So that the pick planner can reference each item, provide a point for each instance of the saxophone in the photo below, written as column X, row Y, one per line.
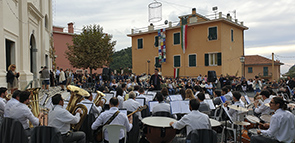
column 77, row 95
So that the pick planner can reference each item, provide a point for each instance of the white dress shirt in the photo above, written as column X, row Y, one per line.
column 62, row 119
column 12, row 102
column 281, row 127
column 2, row 106
column 94, row 109
column 121, row 101
column 194, row 120
column 264, row 110
column 121, row 119
column 22, row 113
column 146, row 99
column 161, row 107
column 131, row 105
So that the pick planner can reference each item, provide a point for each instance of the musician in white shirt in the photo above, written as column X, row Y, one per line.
column 194, row 120
column 161, row 106
column 95, row 110
column 141, row 95
column 131, row 104
column 62, row 119
column 22, row 112
column 281, row 127
column 3, row 93
column 119, row 95
column 12, row 102
column 263, row 109
column 234, row 113
column 120, row 119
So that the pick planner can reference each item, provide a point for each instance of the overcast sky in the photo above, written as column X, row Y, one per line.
column 271, row 22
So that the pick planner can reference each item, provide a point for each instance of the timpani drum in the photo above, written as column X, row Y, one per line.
column 253, row 120
column 158, row 129
column 265, row 118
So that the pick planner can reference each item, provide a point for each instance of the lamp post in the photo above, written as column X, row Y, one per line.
column 242, row 60
column 148, row 61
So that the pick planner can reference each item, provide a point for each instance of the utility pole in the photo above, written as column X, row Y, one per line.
column 272, row 66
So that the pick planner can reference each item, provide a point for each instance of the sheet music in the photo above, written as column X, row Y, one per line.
column 149, row 97
column 226, row 111
column 179, row 107
column 88, row 106
column 247, row 99
column 152, row 93
column 207, row 96
column 108, row 97
column 210, row 103
column 42, row 101
column 152, row 104
column 141, row 101
column 175, row 97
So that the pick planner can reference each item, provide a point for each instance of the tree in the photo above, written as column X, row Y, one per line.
column 122, row 59
column 91, row 49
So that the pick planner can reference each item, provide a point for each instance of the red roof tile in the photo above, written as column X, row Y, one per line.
column 259, row 60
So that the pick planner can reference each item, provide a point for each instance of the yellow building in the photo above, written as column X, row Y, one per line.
column 212, row 44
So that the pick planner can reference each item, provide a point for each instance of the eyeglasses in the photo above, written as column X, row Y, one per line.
column 271, row 102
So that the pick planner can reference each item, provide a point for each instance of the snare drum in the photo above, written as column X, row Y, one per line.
column 158, row 130
column 253, row 120
column 265, row 118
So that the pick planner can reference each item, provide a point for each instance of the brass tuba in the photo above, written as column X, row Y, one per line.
column 77, row 95
column 99, row 97
column 34, row 102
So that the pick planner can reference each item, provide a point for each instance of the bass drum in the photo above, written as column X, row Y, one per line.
column 158, row 130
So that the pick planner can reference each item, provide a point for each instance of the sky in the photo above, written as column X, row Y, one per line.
column 271, row 22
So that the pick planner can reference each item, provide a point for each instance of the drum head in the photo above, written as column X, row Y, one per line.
column 252, row 119
column 158, row 121
column 265, row 118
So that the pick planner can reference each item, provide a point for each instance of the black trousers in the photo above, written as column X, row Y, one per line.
column 262, row 139
column 120, row 141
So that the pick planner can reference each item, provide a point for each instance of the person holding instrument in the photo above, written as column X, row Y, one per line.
column 281, row 127
column 119, row 119
column 62, row 119
column 263, row 109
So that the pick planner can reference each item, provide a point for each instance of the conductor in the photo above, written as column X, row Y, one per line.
column 155, row 81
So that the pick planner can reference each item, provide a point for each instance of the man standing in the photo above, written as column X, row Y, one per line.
column 120, row 119
column 62, row 119
column 189, row 121
column 62, row 79
column 257, row 85
column 45, row 76
column 57, row 75
column 155, row 81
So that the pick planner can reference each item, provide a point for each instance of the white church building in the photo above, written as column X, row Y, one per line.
column 25, row 33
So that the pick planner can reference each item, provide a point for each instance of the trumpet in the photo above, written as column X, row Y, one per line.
column 99, row 97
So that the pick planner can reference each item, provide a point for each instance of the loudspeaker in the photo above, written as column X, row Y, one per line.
column 211, row 76
column 105, row 74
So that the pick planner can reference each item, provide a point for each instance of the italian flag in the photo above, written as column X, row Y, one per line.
column 183, row 37
column 176, row 72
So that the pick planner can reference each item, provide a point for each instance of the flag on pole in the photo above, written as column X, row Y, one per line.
column 183, row 37
column 176, row 72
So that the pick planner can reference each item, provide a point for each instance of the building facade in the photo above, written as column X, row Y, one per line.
column 25, row 33
column 256, row 65
column 212, row 44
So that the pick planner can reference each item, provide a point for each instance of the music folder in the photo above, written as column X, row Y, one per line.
column 175, row 97
column 247, row 99
column 152, row 104
column 108, row 96
column 140, row 100
column 181, row 107
column 223, row 99
column 210, row 103
column 88, row 106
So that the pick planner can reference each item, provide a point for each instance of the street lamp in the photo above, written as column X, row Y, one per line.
column 242, row 60
column 148, row 61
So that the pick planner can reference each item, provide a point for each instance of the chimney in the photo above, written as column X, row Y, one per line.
column 194, row 12
column 71, row 27
column 151, row 27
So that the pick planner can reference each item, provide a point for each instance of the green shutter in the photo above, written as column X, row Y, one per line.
column 232, row 35
column 139, row 44
column 206, row 59
column 176, row 61
column 212, row 33
column 176, row 38
column 192, row 60
column 219, row 59
column 265, row 71
column 156, row 41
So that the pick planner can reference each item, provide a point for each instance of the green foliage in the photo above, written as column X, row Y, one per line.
column 91, row 49
column 122, row 59
column 291, row 72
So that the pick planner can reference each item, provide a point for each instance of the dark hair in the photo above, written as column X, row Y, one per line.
column 123, row 85
column 201, row 96
column 3, row 90
column 225, row 89
column 114, row 101
column 218, row 92
column 90, row 94
column 195, row 104
column 141, row 90
column 16, row 93
column 156, row 69
column 237, row 95
column 265, row 93
column 136, row 87
column 23, row 96
column 119, row 92
column 228, row 87
column 197, row 88
column 56, row 98
column 279, row 100
column 182, row 93
column 165, row 91
column 159, row 97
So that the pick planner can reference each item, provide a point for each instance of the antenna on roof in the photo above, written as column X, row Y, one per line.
column 215, row 8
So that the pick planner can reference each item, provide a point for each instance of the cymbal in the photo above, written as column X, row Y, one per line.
column 242, row 123
column 238, row 108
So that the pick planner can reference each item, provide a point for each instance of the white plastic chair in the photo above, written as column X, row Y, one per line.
column 114, row 132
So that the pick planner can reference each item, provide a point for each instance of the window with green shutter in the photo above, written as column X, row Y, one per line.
column 265, row 71
column 139, row 43
column 176, row 61
column 212, row 33
column 213, row 59
column 192, row 60
column 219, row 59
column 206, row 59
column 232, row 35
column 176, row 37
column 156, row 41
column 250, row 70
